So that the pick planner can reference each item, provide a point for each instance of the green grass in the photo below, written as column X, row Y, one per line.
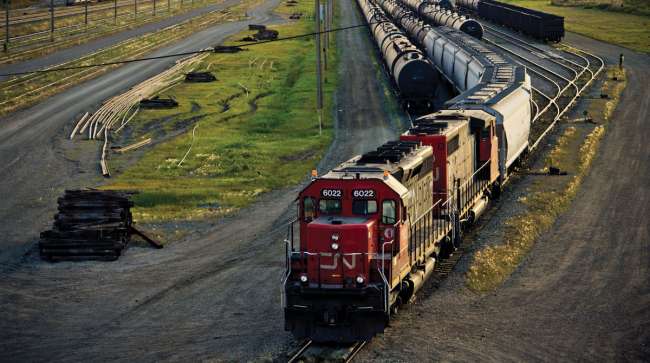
column 255, row 130
column 636, row 7
column 624, row 29
column 546, row 197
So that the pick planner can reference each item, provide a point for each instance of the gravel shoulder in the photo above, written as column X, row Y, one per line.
column 215, row 297
column 582, row 294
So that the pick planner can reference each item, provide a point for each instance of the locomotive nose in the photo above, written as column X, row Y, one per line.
column 339, row 249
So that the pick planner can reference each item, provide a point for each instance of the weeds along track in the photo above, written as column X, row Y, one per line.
column 559, row 77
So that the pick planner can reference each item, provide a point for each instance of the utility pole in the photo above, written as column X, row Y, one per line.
column 115, row 12
column 154, row 7
column 52, row 20
column 319, row 85
column 86, row 15
column 324, row 7
column 6, row 45
column 135, row 9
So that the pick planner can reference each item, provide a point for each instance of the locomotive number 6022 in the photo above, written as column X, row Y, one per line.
column 363, row 193
column 331, row 193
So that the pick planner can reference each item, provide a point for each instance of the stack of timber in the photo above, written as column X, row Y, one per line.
column 90, row 225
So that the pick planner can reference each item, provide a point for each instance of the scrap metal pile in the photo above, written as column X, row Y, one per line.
column 90, row 225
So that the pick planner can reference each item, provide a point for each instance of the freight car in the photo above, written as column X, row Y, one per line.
column 372, row 229
column 439, row 14
column 412, row 73
column 537, row 24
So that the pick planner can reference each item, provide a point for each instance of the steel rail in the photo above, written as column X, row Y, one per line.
column 521, row 43
column 552, row 58
column 541, row 50
column 357, row 348
column 298, row 354
column 561, row 90
column 578, row 90
column 353, row 351
column 69, row 12
column 61, row 30
column 554, row 98
column 550, row 127
column 81, row 28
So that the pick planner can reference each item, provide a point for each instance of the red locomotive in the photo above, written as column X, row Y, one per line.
column 372, row 229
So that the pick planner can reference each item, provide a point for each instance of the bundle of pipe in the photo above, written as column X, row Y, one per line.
column 119, row 110
column 438, row 15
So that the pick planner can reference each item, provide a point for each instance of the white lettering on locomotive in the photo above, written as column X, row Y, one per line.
column 353, row 264
column 331, row 193
column 334, row 261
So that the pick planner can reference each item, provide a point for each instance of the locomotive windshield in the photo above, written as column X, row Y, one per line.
column 389, row 215
column 329, row 206
column 364, row 207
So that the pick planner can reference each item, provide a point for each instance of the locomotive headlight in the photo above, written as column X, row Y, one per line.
column 335, row 241
column 303, row 278
column 360, row 280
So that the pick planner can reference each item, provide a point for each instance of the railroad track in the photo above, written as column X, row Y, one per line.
column 79, row 10
column 22, row 35
column 556, row 92
column 308, row 350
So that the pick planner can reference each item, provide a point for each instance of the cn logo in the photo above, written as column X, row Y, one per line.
column 389, row 234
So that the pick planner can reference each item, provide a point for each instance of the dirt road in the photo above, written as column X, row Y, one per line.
column 217, row 297
column 583, row 293
column 37, row 161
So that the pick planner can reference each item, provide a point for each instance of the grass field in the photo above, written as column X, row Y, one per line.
column 547, row 197
column 252, row 131
column 629, row 30
column 636, row 7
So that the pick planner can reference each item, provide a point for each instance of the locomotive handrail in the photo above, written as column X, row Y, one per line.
column 288, row 249
column 383, row 276
column 475, row 173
